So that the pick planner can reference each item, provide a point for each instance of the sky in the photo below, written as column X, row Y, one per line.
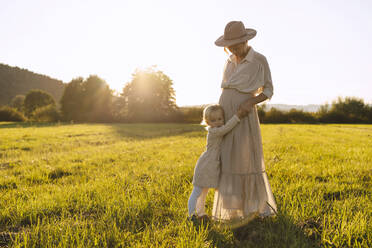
column 317, row 50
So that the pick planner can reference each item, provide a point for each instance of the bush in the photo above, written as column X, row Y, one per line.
column 192, row 114
column 37, row 99
column 299, row 116
column 174, row 116
column 275, row 116
column 46, row 114
column 261, row 111
column 345, row 110
column 369, row 114
column 11, row 114
column 293, row 116
column 17, row 102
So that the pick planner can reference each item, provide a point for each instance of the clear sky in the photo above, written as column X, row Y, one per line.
column 317, row 50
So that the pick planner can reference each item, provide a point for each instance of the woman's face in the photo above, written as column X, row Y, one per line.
column 239, row 49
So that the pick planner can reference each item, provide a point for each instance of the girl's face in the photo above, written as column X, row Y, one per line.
column 216, row 119
column 239, row 49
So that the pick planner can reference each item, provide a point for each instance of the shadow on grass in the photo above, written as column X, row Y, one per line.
column 142, row 131
column 279, row 231
column 5, row 239
column 32, row 124
column 126, row 130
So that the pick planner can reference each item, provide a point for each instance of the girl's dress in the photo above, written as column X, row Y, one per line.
column 207, row 169
column 243, row 187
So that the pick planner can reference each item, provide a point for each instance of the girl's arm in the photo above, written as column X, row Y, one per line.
column 221, row 131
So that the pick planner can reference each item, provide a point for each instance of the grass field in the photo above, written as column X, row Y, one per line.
column 126, row 185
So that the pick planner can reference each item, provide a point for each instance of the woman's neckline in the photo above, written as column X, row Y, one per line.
column 245, row 55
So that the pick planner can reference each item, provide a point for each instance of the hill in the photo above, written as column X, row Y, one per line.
column 282, row 107
column 287, row 107
column 16, row 81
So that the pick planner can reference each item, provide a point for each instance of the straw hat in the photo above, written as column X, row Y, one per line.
column 235, row 33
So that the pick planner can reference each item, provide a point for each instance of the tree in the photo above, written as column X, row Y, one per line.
column 149, row 96
column 17, row 102
column 71, row 101
column 36, row 99
column 97, row 100
column 87, row 100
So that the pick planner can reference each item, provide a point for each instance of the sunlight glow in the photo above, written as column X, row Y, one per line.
column 68, row 39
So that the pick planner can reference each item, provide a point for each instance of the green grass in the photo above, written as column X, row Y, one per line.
column 127, row 185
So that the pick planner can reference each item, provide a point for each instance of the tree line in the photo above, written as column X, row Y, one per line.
column 341, row 110
column 150, row 97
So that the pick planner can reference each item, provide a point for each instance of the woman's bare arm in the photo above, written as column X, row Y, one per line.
column 247, row 105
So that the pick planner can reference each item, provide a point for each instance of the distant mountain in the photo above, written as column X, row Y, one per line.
column 287, row 107
column 16, row 81
column 282, row 107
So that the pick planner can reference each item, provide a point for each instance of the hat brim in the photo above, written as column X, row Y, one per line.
column 226, row 43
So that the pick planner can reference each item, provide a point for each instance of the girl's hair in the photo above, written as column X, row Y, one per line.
column 208, row 111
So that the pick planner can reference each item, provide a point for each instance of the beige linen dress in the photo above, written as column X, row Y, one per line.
column 243, row 188
column 207, row 169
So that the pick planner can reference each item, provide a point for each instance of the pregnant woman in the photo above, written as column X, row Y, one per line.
column 244, row 187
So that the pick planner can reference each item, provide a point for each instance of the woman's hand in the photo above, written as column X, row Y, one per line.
column 241, row 112
column 247, row 106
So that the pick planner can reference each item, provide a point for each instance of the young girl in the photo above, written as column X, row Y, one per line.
column 207, row 168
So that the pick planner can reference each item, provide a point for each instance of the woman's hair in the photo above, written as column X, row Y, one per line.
column 208, row 111
column 226, row 51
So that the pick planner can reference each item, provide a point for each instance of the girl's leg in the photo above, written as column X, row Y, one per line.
column 196, row 192
column 200, row 204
